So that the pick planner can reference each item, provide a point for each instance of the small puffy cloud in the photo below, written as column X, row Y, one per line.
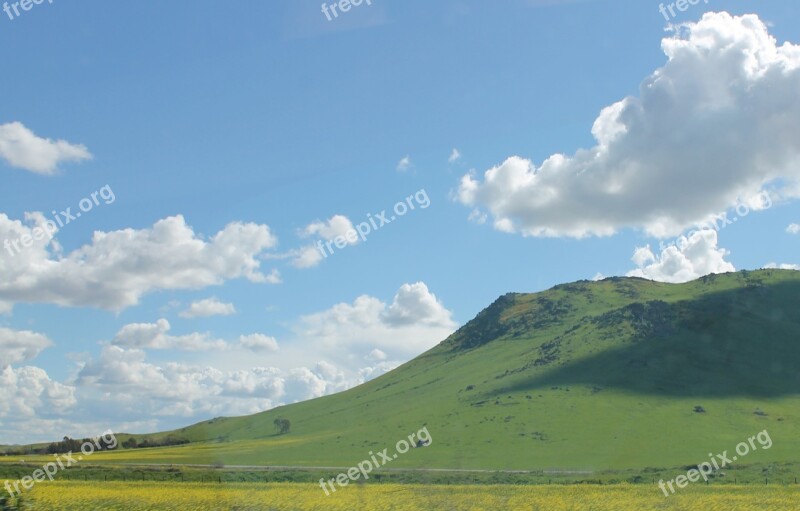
column 376, row 355
column 21, row 148
column 208, row 307
column 119, row 267
column 304, row 383
column 273, row 277
column 404, row 164
column 369, row 373
column 19, row 346
column 414, row 322
column 307, row 257
column 415, row 304
column 710, row 129
column 155, row 336
column 455, row 155
column 793, row 229
column 477, row 216
column 693, row 257
column 258, row 342
column 338, row 227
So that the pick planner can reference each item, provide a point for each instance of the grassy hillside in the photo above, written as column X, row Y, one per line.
column 622, row 373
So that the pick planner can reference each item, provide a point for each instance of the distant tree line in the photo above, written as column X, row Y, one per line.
column 74, row 445
column 132, row 443
column 64, row 446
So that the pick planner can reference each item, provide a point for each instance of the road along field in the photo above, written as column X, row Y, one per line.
column 141, row 496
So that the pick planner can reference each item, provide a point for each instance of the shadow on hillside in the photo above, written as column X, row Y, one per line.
column 744, row 342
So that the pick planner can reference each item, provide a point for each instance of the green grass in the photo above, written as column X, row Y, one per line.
column 591, row 376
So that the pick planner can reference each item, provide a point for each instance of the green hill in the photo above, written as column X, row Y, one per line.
column 621, row 373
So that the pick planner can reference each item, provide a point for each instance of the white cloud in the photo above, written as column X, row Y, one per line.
column 414, row 304
column 155, row 336
column 414, row 322
column 372, row 372
column 338, row 227
column 404, row 164
column 303, row 383
column 31, row 238
column 334, row 227
column 693, row 257
column 21, row 148
column 307, row 257
column 122, row 386
column 19, row 346
column 208, row 307
column 376, row 355
column 793, row 229
column 258, row 342
column 124, row 382
column 119, row 267
column 708, row 130
column 478, row 217
column 454, row 156
column 273, row 277
column 28, row 392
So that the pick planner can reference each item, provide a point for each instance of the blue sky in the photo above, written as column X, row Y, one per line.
column 234, row 137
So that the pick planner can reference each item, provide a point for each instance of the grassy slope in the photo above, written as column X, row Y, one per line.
column 591, row 375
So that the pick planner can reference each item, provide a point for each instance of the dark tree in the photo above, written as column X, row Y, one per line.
column 283, row 425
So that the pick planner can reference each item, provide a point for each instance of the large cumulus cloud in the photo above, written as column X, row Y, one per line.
column 713, row 127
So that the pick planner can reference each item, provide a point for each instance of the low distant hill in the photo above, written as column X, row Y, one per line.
column 621, row 373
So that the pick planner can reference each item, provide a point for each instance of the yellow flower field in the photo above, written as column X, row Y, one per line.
column 136, row 496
